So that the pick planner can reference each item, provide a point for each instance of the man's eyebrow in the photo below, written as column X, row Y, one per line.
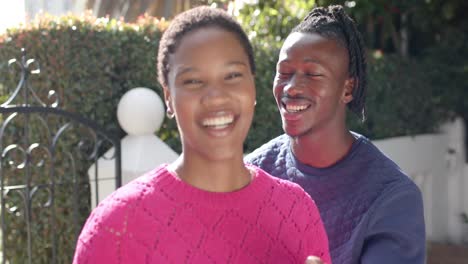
column 312, row 60
column 305, row 60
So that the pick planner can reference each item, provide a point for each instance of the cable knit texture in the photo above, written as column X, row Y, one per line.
column 373, row 212
column 160, row 219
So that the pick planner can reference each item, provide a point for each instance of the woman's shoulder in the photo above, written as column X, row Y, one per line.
column 128, row 198
column 113, row 219
column 286, row 190
column 278, row 182
column 291, row 201
column 268, row 152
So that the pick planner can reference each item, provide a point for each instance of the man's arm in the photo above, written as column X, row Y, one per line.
column 396, row 231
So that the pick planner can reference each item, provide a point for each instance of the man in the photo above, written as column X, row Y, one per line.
column 372, row 211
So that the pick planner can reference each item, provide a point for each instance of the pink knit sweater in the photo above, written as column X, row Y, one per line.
column 160, row 219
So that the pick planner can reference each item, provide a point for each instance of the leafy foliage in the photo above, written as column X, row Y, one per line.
column 267, row 121
column 399, row 99
column 267, row 20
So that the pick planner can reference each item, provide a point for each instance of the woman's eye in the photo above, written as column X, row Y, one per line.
column 233, row 75
column 191, row 82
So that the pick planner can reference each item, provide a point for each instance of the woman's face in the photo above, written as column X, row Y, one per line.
column 211, row 90
column 312, row 84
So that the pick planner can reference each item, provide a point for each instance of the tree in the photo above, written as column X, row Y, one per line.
column 131, row 9
column 269, row 20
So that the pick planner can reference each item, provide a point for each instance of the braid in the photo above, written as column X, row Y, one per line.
column 333, row 22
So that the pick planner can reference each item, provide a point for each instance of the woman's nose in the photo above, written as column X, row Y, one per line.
column 215, row 95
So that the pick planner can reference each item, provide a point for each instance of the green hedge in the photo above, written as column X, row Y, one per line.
column 400, row 99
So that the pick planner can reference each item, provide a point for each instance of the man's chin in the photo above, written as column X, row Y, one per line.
column 292, row 132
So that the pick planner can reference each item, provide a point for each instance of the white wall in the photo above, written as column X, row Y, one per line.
column 436, row 163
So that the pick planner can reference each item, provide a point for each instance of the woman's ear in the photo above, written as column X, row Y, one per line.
column 168, row 102
column 347, row 96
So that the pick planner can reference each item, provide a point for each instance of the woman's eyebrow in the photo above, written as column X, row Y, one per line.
column 242, row 63
column 181, row 70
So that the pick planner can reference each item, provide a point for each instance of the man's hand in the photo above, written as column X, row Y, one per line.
column 313, row 260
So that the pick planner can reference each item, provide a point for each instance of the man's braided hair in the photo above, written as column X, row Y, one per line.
column 333, row 22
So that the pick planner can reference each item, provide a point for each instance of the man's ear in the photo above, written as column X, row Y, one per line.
column 349, row 86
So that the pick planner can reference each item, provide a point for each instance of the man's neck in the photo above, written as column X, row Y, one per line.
column 322, row 150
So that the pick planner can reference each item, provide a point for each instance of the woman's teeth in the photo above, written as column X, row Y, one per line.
column 218, row 122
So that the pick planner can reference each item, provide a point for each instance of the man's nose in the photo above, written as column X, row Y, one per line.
column 294, row 86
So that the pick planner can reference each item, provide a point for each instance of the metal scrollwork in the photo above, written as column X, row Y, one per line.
column 28, row 67
column 44, row 156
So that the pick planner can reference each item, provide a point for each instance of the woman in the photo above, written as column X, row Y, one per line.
column 207, row 206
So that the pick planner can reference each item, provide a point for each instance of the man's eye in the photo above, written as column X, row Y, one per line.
column 312, row 74
column 284, row 74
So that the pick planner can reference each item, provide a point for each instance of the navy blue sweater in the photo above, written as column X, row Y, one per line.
column 372, row 211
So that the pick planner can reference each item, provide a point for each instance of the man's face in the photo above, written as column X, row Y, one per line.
column 312, row 86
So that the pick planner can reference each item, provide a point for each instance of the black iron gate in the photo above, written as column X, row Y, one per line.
column 44, row 186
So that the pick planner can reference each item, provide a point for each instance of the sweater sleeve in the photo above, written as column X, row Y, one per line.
column 102, row 234
column 396, row 231
column 315, row 238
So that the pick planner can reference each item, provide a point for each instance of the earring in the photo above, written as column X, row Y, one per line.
column 255, row 103
column 169, row 114
column 347, row 100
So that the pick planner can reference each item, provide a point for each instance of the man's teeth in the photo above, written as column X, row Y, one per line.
column 296, row 108
column 218, row 122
